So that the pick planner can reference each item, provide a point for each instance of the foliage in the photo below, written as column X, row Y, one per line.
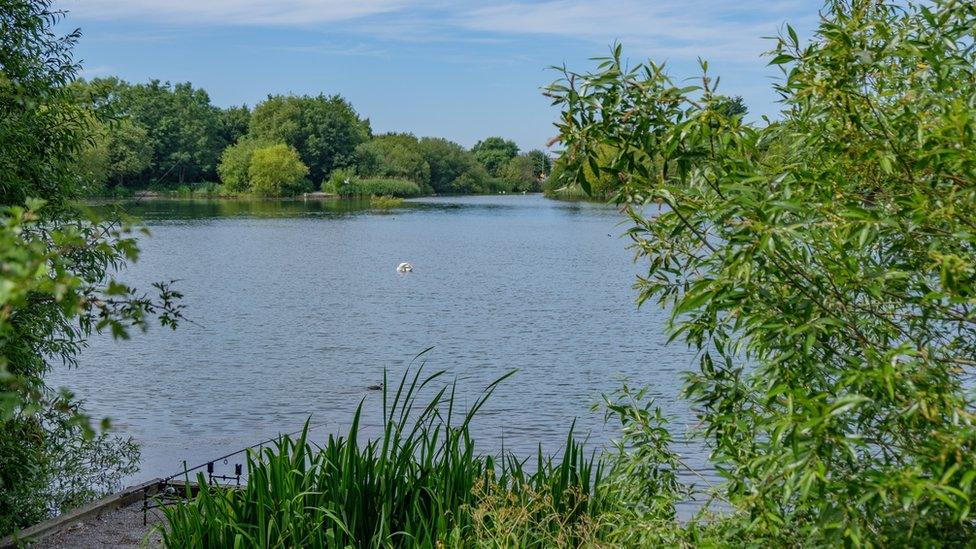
column 185, row 132
column 541, row 163
column 821, row 264
column 277, row 170
column 36, row 116
column 730, row 106
column 601, row 185
column 395, row 156
column 338, row 179
column 235, row 162
column 325, row 130
column 494, row 152
column 69, row 467
column 188, row 139
column 422, row 483
column 418, row 484
column 478, row 181
column 233, row 123
column 452, row 168
column 55, row 293
column 54, row 284
column 385, row 202
column 377, row 187
column 128, row 149
column 523, row 173
column 92, row 164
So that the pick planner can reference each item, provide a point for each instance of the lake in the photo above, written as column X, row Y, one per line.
column 296, row 308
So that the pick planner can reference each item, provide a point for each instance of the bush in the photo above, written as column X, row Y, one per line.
column 119, row 192
column 520, row 174
column 277, row 171
column 378, row 187
column 453, row 169
column 493, row 153
column 339, row 179
column 222, row 191
column 474, row 180
column 393, row 156
column 385, row 202
column 821, row 265
column 235, row 163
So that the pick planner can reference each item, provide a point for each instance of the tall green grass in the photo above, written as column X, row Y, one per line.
column 400, row 188
column 419, row 484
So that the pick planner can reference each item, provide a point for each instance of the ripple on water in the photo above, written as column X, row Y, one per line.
column 297, row 309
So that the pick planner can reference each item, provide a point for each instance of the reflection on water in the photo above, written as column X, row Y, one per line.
column 297, row 308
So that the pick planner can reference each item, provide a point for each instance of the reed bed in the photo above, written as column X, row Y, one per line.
column 421, row 483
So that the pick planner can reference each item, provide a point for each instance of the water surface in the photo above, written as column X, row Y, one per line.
column 297, row 308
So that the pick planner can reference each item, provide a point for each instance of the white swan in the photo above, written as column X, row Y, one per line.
column 404, row 267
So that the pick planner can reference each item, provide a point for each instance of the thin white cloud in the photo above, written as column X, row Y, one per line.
column 231, row 12
column 678, row 28
column 727, row 30
column 361, row 49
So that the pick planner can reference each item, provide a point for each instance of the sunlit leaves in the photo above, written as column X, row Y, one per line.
column 825, row 258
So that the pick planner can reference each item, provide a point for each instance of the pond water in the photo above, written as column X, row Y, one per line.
column 296, row 308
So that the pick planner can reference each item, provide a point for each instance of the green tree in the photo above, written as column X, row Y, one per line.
column 395, row 156
column 185, row 129
column 493, row 152
column 277, row 170
column 520, row 173
column 92, row 163
column 235, row 163
column 128, row 149
column 233, row 123
column 526, row 172
column 325, row 130
column 55, row 286
column 822, row 265
column 541, row 163
column 452, row 168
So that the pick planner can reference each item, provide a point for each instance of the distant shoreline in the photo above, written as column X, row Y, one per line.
column 153, row 195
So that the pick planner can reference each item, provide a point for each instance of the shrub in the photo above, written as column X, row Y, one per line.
column 822, row 265
column 277, row 171
column 393, row 156
column 474, row 180
column 235, row 163
column 378, row 187
column 385, row 202
column 221, row 191
column 520, row 173
column 493, row 153
column 448, row 161
column 339, row 179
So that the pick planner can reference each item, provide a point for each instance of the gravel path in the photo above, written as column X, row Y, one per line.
column 116, row 528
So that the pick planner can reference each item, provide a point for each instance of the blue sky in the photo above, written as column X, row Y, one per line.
column 458, row 69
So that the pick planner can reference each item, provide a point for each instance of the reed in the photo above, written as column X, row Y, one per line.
column 420, row 484
column 377, row 187
column 385, row 202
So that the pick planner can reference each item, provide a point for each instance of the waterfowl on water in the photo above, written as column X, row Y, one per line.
column 375, row 387
column 404, row 267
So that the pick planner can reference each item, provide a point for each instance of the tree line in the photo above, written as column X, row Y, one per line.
column 158, row 136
